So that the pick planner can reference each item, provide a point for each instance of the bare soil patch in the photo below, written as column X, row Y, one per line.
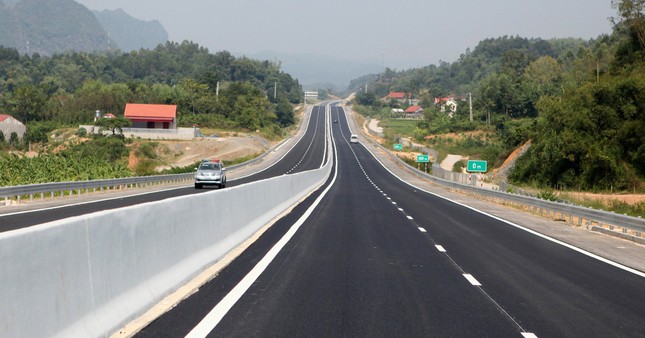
column 185, row 153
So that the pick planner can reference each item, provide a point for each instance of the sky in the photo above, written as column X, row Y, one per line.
column 396, row 34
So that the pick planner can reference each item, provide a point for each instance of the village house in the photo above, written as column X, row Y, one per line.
column 447, row 104
column 151, row 116
column 414, row 112
column 401, row 98
column 9, row 125
column 151, row 121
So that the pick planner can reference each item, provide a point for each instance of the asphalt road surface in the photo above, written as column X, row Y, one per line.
column 369, row 255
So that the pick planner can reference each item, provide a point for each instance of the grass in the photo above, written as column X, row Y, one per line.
column 615, row 205
column 399, row 127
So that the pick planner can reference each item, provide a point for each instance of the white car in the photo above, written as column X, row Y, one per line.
column 353, row 138
column 210, row 173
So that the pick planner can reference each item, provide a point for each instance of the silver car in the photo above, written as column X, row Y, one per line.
column 210, row 173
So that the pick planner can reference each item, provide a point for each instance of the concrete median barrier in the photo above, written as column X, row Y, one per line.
column 86, row 276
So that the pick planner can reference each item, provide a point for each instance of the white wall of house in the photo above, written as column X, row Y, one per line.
column 11, row 125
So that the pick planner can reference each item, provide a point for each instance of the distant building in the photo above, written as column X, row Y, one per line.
column 402, row 98
column 448, row 103
column 151, row 116
column 415, row 112
column 398, row 96
column 9, row 125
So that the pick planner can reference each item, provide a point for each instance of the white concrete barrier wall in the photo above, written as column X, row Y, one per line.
column 87, row 276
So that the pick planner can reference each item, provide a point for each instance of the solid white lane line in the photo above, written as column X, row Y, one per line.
column 472, row 280
column 213, row 318
column 440, row 248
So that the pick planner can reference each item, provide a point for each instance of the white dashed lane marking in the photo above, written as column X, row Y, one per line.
column 472, row 280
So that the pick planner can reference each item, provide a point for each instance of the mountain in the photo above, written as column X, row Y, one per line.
column 131, row 33
column 320, row 71
column 55, row 26
column 50, row 26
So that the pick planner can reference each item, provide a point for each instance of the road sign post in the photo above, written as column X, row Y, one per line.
column 423, row 159
column 476, row 166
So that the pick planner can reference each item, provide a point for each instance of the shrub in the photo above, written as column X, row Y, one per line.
column 81, row 132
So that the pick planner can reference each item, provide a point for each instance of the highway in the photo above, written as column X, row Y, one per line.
column 370, row 255
column 299, row 158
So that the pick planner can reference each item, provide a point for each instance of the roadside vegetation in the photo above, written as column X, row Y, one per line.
column 581, row 104
column 53, row 95
column 578, row 105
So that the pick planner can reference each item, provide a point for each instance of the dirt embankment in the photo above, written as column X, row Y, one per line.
column 184, row 153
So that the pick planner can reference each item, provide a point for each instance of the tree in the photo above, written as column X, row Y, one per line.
column 284, row 112
column 544, row 72
column 13, row 139
column 114, row 124
column 194, row 91
column 631, row 13
column 27, row 103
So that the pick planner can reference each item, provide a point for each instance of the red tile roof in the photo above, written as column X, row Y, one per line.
column 398, row 95
column 157, row 112
column 413, row 109
column 4, row 117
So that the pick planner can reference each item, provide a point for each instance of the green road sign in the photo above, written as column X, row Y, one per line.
column 398, row 146
column 423, row 158
column 477, row 166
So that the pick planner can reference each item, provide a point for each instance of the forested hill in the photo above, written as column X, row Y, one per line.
column 463, row 75
column 580, row 103
column 67, row 89
column 47, row 27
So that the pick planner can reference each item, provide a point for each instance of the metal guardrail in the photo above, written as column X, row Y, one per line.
column 563, row 211
column 78, row 187
column 69, row 188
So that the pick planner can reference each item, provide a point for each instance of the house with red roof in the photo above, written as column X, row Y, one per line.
column 414, row 112
column 401, row 97
column 9, row 125
column 448, row 103
column 398, row 96
column 151, row 116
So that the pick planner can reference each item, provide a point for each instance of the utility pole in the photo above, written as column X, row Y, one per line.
column 217, row 91
column 470, row 103
column 275, row 89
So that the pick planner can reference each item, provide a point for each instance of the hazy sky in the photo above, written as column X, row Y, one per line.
column 401, row 34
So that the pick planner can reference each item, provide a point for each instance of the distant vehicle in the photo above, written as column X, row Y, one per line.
column 210, row 172
column 335, row 121
column 353, row 138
